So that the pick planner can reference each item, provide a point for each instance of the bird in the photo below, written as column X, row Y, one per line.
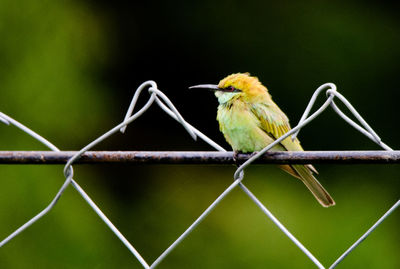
column 250, row 120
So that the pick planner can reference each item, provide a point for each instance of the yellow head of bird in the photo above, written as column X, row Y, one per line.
column 239, row 85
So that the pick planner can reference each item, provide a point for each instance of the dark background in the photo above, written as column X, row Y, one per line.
column 69, row 68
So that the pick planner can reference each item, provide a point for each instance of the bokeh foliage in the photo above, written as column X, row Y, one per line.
column 68, row 68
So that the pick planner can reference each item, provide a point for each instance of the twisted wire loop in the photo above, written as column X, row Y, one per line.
column 68, row 172
column 365, row 129
column 155, row 95
column 167, row 106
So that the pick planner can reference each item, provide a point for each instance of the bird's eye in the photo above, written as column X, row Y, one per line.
column 231, row 89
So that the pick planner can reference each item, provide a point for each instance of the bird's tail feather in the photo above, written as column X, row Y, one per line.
column 313, row 185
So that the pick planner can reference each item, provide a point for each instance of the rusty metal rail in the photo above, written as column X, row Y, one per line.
column 200, row 157
column 69, row 158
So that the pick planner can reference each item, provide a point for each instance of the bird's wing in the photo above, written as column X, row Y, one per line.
column 275, row 123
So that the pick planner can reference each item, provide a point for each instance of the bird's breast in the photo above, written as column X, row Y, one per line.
column 241, row 127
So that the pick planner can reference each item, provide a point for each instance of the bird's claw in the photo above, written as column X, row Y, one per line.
column 236, row 157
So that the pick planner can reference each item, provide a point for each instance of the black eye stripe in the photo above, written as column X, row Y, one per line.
column 231, row 89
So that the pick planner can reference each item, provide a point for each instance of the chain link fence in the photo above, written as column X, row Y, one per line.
column 159, row 98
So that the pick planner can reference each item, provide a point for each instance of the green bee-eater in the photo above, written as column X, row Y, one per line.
column 250, row 121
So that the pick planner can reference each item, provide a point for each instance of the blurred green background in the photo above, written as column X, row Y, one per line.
column 69, row 68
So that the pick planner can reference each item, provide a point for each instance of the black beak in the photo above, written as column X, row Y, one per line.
column 206, row 86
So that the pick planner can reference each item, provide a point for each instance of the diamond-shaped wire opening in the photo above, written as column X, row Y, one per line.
column 163, row 101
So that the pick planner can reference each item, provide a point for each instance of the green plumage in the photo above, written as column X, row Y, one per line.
column 250, row 121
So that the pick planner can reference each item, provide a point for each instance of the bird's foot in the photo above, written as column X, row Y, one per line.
column 252, row 154
column 236, row 157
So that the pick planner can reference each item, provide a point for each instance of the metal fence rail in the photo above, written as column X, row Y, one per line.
column 200, row 157
column 156, row 96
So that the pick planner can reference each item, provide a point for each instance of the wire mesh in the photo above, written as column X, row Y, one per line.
column 158, row 97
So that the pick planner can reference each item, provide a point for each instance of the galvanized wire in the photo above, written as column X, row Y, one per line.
column 362, row 238
column 8, row 120
column 166, row 105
